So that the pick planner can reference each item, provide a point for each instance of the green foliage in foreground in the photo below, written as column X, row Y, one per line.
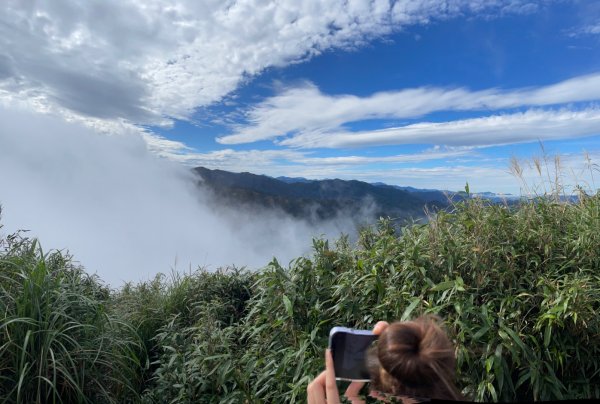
column 519, row 288
column 58, row 343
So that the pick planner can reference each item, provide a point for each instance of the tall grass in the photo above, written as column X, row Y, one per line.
column 178, row 319
column 57, row 342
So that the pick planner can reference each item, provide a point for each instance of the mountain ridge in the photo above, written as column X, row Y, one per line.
column 318, row 199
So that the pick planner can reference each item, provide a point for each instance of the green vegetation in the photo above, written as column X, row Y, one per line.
column 518, row 286
column 58, row 340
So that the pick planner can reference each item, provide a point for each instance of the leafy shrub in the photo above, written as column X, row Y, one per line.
column 188, row 324
column 518, row 287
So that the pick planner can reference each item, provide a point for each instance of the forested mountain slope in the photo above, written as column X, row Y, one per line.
column 319, row 199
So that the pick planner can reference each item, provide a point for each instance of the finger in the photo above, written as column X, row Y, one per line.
column 380, row 327
column 353, row 389
column 315, row 397
column 315, row 391
column 331, row 390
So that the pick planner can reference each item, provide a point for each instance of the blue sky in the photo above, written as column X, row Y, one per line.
column 426, row 93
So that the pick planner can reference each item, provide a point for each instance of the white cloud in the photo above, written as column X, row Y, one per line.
column 163, row 146
column 448, row 177
column 122, row 211
column 146, row 60
column 401, row 158
column 238, row 160
column 304, row 110
column 590, row 29
column 291, row 162
column 527, row 126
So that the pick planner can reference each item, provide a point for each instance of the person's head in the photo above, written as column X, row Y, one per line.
column 414, row 358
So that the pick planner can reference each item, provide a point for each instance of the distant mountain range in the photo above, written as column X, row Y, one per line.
column 434, row 194
column 319, row 199
column 316, row 200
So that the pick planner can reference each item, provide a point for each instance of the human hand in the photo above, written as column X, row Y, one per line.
column 323, row 389
column 380, row 327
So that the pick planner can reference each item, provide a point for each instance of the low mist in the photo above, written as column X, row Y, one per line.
column 126, row 214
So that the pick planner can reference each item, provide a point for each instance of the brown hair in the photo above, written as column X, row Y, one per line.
column 414, row 358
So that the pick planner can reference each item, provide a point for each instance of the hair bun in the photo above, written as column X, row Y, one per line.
column 410, row 351
column 415, row 358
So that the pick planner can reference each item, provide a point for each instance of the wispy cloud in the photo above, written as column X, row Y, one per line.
column 288, row 162
column 589, row 29
column 429, row 155
column 235, row 160
column 305, row 112
column 519, row 127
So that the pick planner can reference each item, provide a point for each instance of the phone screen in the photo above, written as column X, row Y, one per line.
column 348, row 349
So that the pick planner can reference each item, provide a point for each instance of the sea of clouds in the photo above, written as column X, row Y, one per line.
column 125, row 213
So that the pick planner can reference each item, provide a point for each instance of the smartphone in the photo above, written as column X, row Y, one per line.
column 348, row 348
